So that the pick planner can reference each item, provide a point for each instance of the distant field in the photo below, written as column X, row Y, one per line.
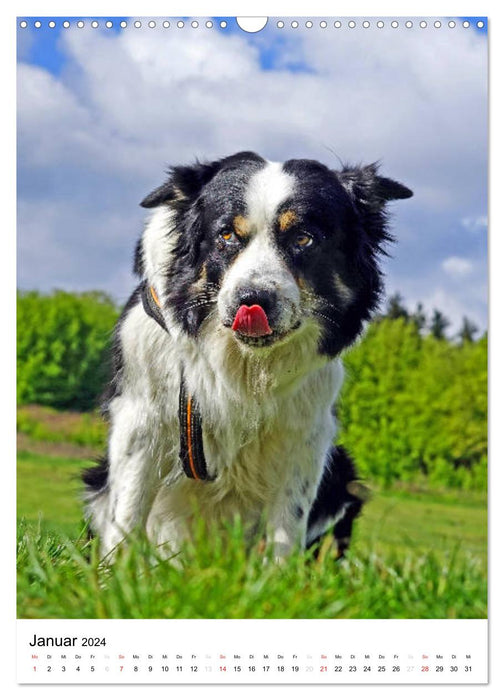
column 415, row 553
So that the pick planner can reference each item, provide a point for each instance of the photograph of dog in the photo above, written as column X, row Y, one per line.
column 253, row 276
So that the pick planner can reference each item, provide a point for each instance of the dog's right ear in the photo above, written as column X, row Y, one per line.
column 183, row 185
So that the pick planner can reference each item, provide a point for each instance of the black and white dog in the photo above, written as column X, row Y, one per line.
column 255, row 275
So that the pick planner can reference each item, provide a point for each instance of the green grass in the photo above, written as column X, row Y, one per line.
column 58, row 577
column 414, row 554
column 49, row 490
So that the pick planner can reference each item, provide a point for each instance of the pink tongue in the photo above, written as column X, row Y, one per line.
column 251, row 321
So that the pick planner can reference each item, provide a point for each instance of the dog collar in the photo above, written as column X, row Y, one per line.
column 191, row 453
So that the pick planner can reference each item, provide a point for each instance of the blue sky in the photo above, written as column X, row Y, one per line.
column 102, row 112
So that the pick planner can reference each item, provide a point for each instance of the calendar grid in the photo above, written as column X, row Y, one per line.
column 253, row 651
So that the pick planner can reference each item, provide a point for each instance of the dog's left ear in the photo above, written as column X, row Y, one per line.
column 369, row 190
column 183, row 185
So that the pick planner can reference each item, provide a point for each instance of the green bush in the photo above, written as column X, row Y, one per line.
column 62, row 340
column 414, row 405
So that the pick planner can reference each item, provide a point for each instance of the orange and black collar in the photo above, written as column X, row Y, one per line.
column 192, row 455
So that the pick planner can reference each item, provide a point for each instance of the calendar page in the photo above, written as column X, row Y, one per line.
column 252, row 350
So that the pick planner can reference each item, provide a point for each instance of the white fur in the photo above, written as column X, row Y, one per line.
column 266, row 413
column 267, row 190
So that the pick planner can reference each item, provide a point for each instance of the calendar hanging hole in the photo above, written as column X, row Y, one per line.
column 252, row 24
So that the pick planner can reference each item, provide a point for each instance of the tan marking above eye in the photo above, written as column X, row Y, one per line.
column 241, row 226
column 287, row 219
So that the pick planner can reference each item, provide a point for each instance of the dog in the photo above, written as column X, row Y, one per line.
column 254, row 276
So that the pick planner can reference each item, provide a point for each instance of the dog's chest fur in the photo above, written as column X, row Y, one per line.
column 265, row 432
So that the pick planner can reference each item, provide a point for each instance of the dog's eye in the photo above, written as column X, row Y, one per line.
column 303, row 240
column 229, row 237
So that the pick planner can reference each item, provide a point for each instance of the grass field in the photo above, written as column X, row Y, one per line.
column 415, row 554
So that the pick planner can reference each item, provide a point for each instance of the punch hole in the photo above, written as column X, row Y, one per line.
column 80, row 24
column 437, row 24
column 423, row 24
column 466, row 24
column 152, row 24
column 66, row 24
column 38, row 24
column 366, row 24
column 409, row 24
column 166, row 24
column 452, row 24
column 352, row 24
column 380, row 24
column 123, row 24
column 138, row 24
column 109, row 24
column 52, row 24
column 323, row 24
column 223, row 24
column 180, row 24
column 280, row 24
column 309, row 24
column 252, row 24
column 294, row 24
column 94, row 24
column 394, row 24
column 194, row 24
column 337, row 24
column 209, row 24
column 23, row 24
column 480, row 24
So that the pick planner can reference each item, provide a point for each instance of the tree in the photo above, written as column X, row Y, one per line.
column 396, row 308
column 418, row 317
column 468, row 331
column 438, row 325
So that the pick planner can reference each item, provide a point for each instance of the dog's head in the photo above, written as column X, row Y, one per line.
column 266, row 249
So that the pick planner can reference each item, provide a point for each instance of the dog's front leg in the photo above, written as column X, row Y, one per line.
column 133, row 476
column 287, row 522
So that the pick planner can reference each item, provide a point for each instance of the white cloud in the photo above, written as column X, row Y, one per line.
column 457, row 267
column 475, row 224
column 456, row 308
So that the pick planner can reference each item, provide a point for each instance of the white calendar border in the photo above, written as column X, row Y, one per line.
column 272, row 8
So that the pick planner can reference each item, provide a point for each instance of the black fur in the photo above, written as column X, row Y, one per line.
column 333, row 493
column 95, row 478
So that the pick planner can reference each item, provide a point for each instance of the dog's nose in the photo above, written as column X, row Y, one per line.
column 265, row 298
